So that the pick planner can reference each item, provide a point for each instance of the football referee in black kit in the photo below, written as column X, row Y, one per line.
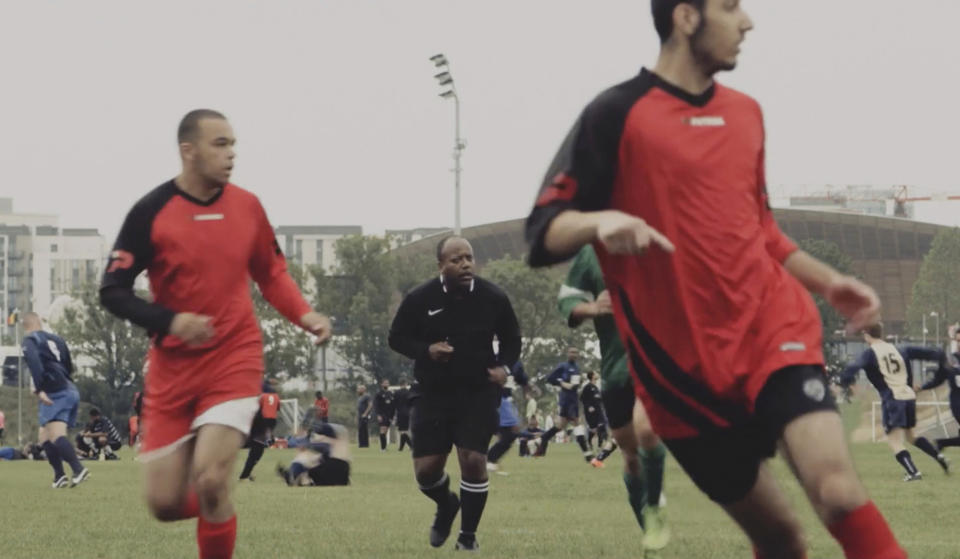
column 447, row 326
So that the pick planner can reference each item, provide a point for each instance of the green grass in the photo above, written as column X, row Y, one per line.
column 556, row 507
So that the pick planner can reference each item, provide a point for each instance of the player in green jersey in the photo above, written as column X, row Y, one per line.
column 584, row 296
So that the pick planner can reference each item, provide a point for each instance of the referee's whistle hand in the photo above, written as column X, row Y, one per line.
column 497, row 375
column 194, row 329
column 441, row 352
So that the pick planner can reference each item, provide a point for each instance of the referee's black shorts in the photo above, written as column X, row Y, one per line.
column 465, row 417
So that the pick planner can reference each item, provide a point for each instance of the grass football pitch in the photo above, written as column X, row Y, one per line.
column 555, row 507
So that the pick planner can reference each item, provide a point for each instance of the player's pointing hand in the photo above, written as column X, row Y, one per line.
column 622, row 233
column 194, row 329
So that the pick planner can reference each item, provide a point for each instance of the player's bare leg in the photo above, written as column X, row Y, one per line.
column 435, row 484
column 815, row 447
column 166, row 485
column 214, row 455
column 474, row 486
column 765, row 515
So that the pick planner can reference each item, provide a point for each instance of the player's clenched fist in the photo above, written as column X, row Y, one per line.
column 621, row 233
column 194, row 329
column 319, row 325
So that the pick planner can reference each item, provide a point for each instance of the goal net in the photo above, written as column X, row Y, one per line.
column 288, row 418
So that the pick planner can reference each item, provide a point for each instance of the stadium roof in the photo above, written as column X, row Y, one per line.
column 887, row 252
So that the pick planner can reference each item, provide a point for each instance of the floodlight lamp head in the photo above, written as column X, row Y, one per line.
column 438, row 60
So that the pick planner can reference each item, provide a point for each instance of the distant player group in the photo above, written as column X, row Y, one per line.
column 710, row 342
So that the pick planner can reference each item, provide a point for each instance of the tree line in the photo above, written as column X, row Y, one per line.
column 363, row 292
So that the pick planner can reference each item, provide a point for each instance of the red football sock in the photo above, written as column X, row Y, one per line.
column 864, row 534
column 191, row 505
column 216, row 540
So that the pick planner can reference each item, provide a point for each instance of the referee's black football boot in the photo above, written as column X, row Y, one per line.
column 443, row 520
column 467, row 543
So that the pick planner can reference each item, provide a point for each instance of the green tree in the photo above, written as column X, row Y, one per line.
column 936, row 289
column 112, row 349
column 546, row 335
column 829, row 253
column 361, row 297
column 288, row 351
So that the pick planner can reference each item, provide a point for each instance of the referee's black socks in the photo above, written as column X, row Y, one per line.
column 473, row 498
column 438, row 491
column 383, row 441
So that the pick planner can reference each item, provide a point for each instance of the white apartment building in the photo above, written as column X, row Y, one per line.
column 313, row 245
column 39, row 261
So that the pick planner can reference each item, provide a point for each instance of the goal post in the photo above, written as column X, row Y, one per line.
column 288, row 418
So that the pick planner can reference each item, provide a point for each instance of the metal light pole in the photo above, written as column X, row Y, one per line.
column 445, row 79
column 16, row 334
column 936, row 315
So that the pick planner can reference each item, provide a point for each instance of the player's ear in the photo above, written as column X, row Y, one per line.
column 186, row 151
column 686, row 19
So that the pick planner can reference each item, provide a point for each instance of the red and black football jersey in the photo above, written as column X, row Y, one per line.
column 706, row 325
column 200, row 257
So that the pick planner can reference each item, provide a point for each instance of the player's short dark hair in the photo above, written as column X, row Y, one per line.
column 663, row 15
column 443, row 243
column 94, row 412
column 875, row 331
column 190, row 123
column 319, row 394
column 591, row 375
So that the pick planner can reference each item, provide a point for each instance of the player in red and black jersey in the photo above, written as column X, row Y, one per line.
column 261, row 432
column 664, row 175
column 200, row 240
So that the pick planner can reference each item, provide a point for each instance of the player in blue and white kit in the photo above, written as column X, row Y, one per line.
column 567, row 377
column 50, row 365
column 888, row 369
column 950, row 375
column 509, row 417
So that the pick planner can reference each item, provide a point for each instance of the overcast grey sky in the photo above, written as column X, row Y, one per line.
column 339, row 122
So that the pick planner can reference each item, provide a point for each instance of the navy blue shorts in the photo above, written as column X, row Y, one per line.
column 899, row 414
column 569, row 410
column 64, row 408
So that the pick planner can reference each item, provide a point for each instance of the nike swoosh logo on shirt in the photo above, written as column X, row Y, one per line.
column 431, row 313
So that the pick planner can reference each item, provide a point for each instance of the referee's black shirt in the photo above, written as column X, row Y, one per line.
column 468, row 320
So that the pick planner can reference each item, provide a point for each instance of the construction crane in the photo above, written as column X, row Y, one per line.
column 901, row 197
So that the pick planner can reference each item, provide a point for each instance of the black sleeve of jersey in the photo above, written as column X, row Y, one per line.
column 508, row 333
column 403, row 331
column 583, row 172
column 132, row 254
